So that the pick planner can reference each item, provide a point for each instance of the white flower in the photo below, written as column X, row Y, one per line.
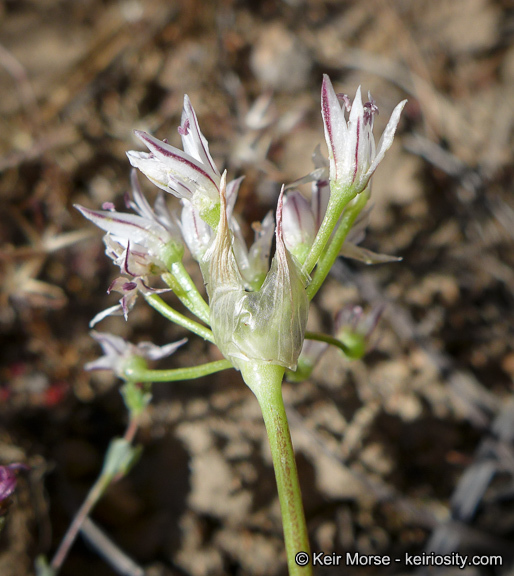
column 129, row 289
column 351, row 144
column 190, row 174
column 299, row 225
column 142, row 245
column 197, row 234
column 150, row 238
column 302, row 219
column 253, row 263
column 119, row 354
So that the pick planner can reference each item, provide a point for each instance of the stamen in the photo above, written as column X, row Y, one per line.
column 345, row 100
column 184, row 130
column 370, row 109
column 127, row 200
column 128, row 286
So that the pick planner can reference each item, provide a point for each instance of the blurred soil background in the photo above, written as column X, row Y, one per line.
column 410, row 448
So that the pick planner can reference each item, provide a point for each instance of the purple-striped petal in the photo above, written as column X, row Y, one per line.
column 355, row 252
column 140, row 230
column 175, row 167
column 335, row 126
column 353, row 158
column 152, row 352
column 193, row 141
column 387, row 138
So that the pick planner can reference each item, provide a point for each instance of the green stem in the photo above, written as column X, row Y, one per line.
column 265, row 381
column 171, row 314
column 141, row 375
column 95, row 493
column 337, row 203
column 329, row 340
column 181, row 283
column 329, row 257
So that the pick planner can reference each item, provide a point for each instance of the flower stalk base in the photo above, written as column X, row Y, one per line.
column 265, row 381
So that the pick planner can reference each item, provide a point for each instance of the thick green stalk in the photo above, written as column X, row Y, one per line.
column 181, row 283
column 190, row 373
column 265, row 380
column 329, row 257
column 172, row 315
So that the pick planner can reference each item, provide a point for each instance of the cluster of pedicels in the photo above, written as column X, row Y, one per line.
column 257, row 309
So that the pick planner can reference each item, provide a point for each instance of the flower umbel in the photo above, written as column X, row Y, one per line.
column 257, row 301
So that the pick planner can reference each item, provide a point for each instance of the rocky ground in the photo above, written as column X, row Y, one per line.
column 409, row 448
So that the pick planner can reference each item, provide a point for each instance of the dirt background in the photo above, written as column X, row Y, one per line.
column 412, row 447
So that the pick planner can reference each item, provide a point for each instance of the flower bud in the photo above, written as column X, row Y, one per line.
column 299, row 226
column 354, row 329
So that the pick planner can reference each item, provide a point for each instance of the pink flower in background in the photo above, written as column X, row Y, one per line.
column 8, row 481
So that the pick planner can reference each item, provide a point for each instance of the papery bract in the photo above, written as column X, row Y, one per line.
column 267, row 325
column 311, row 354
column 253, row 263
